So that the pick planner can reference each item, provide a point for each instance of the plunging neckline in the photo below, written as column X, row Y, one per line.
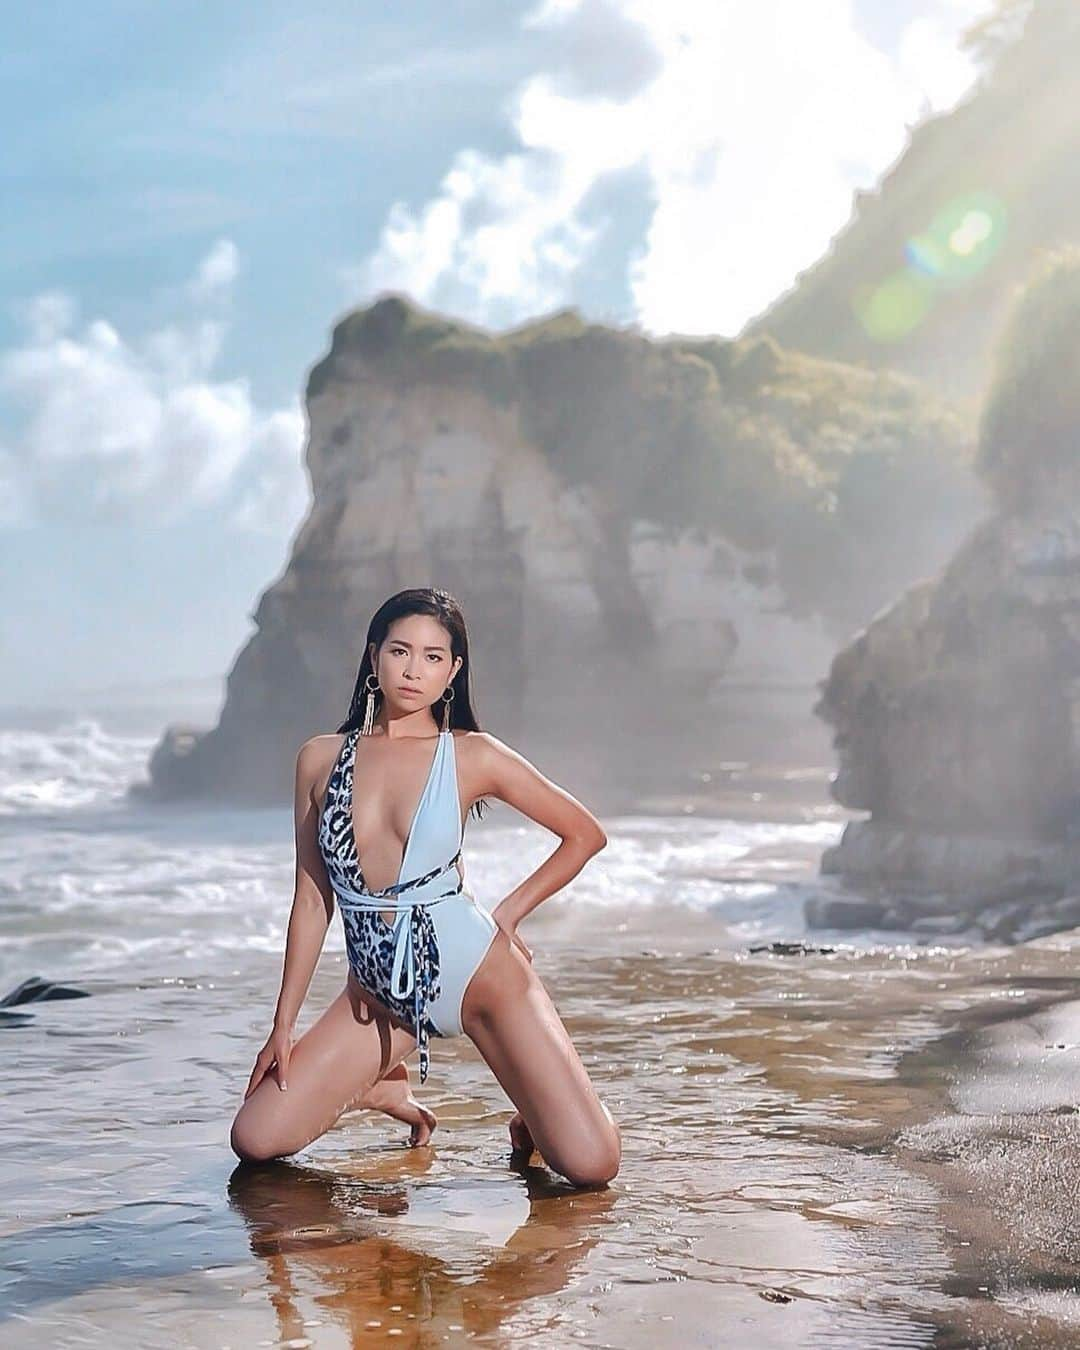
column 412, row 822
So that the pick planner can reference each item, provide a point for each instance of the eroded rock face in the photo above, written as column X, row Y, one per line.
column 957, row 709
column 628, row 524
column 957, row 719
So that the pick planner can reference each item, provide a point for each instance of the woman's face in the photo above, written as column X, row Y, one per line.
column 414, row 664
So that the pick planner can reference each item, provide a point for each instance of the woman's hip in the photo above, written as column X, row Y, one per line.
column 464, row 930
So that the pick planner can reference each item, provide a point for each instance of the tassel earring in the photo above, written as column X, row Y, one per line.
column 446, row 707
column 369, row 710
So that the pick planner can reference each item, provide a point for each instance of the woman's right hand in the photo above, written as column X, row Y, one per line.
column 511, row 932
column 274, row 1055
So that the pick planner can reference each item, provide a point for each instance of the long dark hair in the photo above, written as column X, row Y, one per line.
column 440, row 605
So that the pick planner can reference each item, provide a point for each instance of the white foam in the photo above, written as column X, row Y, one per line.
column 74, row 765
column 91, row 882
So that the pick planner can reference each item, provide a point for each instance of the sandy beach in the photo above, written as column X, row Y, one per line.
column 1003, row 1156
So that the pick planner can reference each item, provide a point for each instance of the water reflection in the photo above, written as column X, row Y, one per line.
column 327, row 1248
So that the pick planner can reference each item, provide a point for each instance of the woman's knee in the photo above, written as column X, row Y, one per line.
column 592, row 1167
column 251, row 1141
column 250, row 1149
column 596, row 1162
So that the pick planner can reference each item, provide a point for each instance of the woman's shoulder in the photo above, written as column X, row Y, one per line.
column 322, row 750
column 320, row 744
column 483, row 746
column 472, row 744
column 463, row 736
column 319, row 752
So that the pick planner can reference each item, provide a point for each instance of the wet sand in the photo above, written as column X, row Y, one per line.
column 774, row 1186
column 807, row 1159
column 1005, row 1157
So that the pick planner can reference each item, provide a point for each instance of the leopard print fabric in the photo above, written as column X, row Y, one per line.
column 369, row 940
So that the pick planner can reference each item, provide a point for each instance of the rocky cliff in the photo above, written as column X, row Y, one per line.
column 635, row 529
column 957, row 709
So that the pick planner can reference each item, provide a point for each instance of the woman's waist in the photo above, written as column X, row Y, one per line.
column 458, row 925
column 438, row 884
column 440, row 892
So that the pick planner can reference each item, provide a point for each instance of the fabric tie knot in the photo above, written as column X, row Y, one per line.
column 416, row 946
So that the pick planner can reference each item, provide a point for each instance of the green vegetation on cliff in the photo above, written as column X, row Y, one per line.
column 1031, row 420
column 855, row 480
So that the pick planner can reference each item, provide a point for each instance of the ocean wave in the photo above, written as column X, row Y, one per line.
column 74, row 765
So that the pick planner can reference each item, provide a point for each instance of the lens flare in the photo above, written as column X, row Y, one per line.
column 893, row 308
column 968, row 231
column 957, row 244
column 925, row 254
column 973, row 230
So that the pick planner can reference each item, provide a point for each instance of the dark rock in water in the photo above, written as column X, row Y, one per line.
column 792, row 949
column 36, row 989
column 940, row 924
column 897, row 917
column 828, row 911
column 1000, row 922
column 1004, row 913
column 1032, row 890
column 1066, row 910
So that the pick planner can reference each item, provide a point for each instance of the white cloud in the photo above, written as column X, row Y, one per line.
column 275, row 496
column 140, row 430
column 929, row 59
column 753, row 125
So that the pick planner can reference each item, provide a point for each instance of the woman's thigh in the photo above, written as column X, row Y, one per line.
column 332, row 1065
column 512, row 1021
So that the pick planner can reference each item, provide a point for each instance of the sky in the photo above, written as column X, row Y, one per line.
column 199, row 192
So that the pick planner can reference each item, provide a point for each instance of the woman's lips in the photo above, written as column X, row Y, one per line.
column 405, row 689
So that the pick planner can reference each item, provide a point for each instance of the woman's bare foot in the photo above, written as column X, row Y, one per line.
column 393, row 1096
column 521, row 1141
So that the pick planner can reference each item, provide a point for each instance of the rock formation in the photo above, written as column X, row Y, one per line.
column 632, row 527
column 957, row 709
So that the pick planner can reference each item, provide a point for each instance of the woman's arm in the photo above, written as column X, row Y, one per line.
column 503, row 773
column 313, row 897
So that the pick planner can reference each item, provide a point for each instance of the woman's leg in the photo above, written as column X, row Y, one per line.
column 392, row 1095
column 333, row 1066
column 512, row 1021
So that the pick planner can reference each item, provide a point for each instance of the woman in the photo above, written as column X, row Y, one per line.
column 425, row 958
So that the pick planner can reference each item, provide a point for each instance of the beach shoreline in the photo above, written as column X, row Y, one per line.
column 1001, row 1151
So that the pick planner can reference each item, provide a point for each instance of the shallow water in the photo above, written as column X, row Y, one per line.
column 760, row 1200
